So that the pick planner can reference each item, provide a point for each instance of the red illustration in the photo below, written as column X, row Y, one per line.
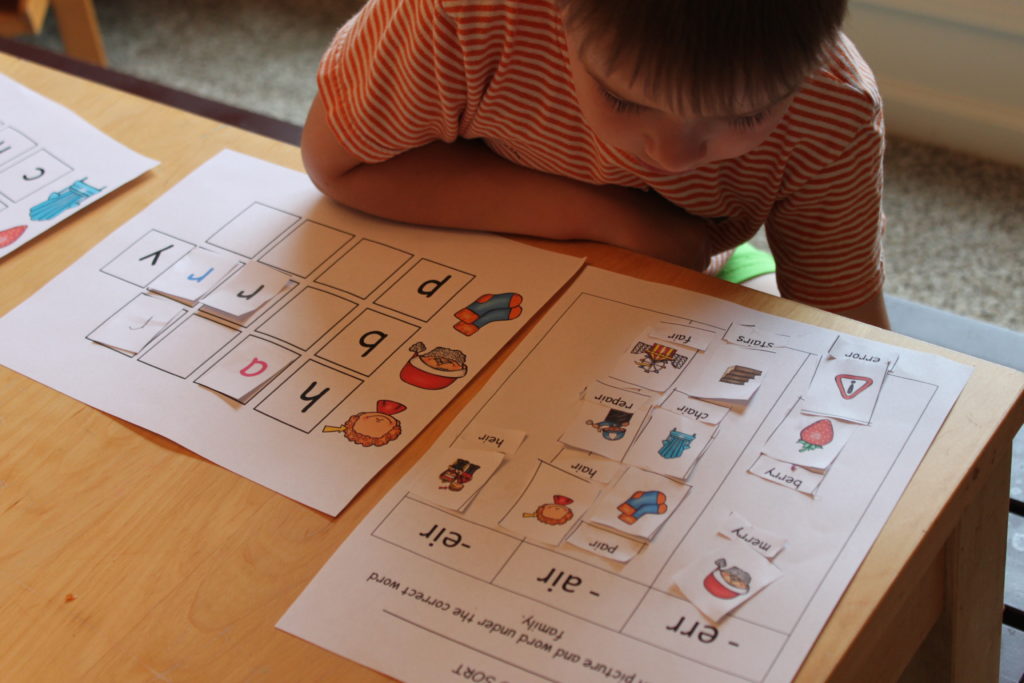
column 851, row 385
column 816, row 435
column 11, row 235
column 727, row 582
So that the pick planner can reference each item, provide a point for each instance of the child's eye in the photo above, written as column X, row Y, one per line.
column 620, row 105
column 749, row 121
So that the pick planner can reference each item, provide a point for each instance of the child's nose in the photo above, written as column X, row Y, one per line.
column 677, row 149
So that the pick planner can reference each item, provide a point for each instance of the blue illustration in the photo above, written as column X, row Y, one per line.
column 674, row 445
column 59, row 202
column 643, row 503
column 487, row 309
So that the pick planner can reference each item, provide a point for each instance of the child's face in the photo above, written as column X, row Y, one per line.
column 658, row 136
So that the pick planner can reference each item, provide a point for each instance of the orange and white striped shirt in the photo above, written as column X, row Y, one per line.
column 404, row 73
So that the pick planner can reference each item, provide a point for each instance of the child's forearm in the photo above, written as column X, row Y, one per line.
column 465, row 185
column 873, row 312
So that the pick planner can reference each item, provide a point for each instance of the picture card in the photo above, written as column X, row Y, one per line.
column 552, row 504
column 453, row 476
column 787, row 475
column 604, row 543
column 726, row 372
column 811, row 441
column 763, row 542
column 722, row 580
column 137, row 324
column 651, row 363
column 670, row 444
column 845, row 388
column 639, row 503
column 53, row 163
column 606, row 420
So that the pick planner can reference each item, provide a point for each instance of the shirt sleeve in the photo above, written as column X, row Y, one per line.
column 393, row 79
column 827, row 236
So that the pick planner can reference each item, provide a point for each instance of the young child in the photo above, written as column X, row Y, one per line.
column 676, row 128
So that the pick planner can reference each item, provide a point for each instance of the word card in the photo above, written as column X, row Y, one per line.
column 52, row 164
column 594, row 567
column 279, row 335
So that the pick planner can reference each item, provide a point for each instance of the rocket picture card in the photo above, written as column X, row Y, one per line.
column 315, row 343
column 610, row 591
column 52, row 164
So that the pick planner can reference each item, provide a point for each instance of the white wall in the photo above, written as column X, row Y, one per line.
column 951, row 72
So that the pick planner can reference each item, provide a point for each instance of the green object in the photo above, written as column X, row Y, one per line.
column 746, row 262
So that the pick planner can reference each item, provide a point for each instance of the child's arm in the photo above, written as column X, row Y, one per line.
column 465, row 185
column 872, row 312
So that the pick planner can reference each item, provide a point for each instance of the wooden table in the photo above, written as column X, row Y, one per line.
column 125, row 557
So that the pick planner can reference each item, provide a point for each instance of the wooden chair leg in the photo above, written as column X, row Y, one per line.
column 79, row 30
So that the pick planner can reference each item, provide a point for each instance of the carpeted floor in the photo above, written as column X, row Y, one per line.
column 956, row 223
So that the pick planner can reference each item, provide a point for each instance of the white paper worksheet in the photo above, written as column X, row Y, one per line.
column 644, row 529
column 252, row 320
column 52, row 164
